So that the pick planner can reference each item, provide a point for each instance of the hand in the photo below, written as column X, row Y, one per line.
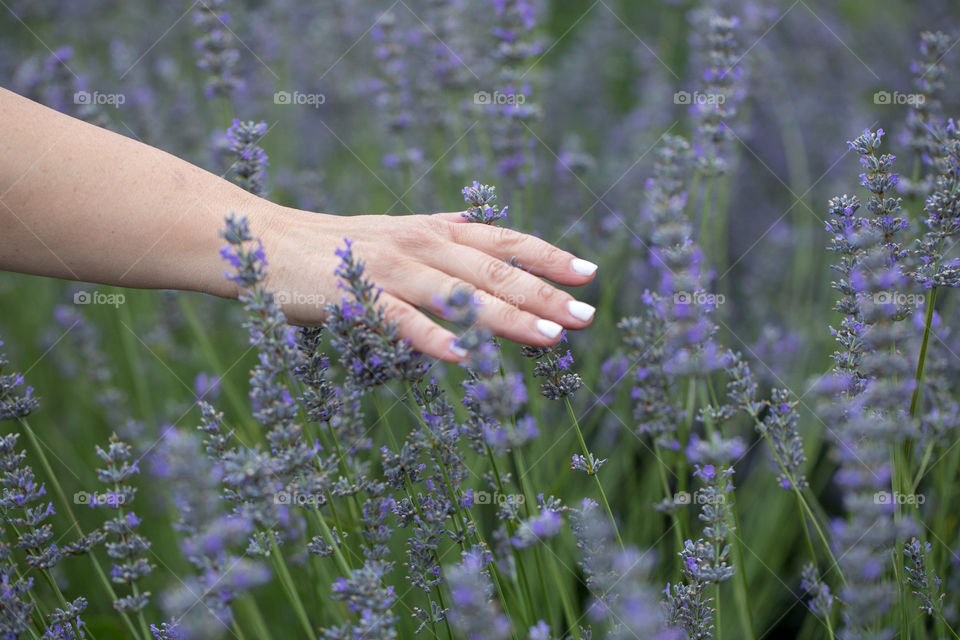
column 420, row 259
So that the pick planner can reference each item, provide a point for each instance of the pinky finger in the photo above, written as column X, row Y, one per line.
column 425, row 335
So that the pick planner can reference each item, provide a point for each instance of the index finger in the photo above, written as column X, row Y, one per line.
column 538, row 256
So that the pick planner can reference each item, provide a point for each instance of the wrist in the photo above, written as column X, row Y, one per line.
column 268, row 221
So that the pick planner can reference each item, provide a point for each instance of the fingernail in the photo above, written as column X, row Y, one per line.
column 580, row 310
column 457, row 350
column 583, row 267
column 549, row 328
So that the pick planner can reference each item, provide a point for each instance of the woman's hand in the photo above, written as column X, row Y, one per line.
column 419, row 260
column 84, row 203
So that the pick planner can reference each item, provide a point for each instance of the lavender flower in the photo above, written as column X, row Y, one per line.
column 925, row 583
column 14, row 402
column 128, row 547
column 780, row 423
column 481, row 199
column 370, row 350
column 25, row 511
column 364, row 594
column 821, row 600
column 559, row 382
column 942, row 207
column 395, row 90
column 494, row 399
column 515, row 48
column 167, row 631
column 546, row 523
column 16, row 606
column 723, row 77
column 589, row 464
column 218, row 56
column 473, row 612
column 654, row 410
column 250, row 166
column 202, row 604
column 617, row 579
column 925, row 116
column 65, row 623
column 320, row 398
column 682, row 302
column 871, row 393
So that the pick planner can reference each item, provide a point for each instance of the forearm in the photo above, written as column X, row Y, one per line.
column 83, row 203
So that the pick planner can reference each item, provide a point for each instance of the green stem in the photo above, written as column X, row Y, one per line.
column 564, row 596
column 918, row 377
column 237, row 402
column 286, row 580
column 48, row 470
column 741, row 590
column 586, row 453
column 136, row 365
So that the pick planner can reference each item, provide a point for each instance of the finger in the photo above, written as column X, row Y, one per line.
column 429, row 288
column 539, row 256
column 511, row 285
column 425, row 335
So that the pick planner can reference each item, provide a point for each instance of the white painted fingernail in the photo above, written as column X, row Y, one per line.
column 583, row 267
column 549, row 328
column 457, row 350
column 580, row 310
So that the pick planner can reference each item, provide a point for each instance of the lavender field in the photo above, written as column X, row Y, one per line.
column 755, row 438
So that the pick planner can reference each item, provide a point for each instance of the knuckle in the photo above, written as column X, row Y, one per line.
column 507, row 238
column 551, row 254
column 498, row 272
column 458, row 286
column 447, row 229
column 434, row 335
column 510, row 315
column 546, row 293
column 415, row 237
column 400, row 314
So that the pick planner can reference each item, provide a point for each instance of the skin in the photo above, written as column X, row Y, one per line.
column 83, row 203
